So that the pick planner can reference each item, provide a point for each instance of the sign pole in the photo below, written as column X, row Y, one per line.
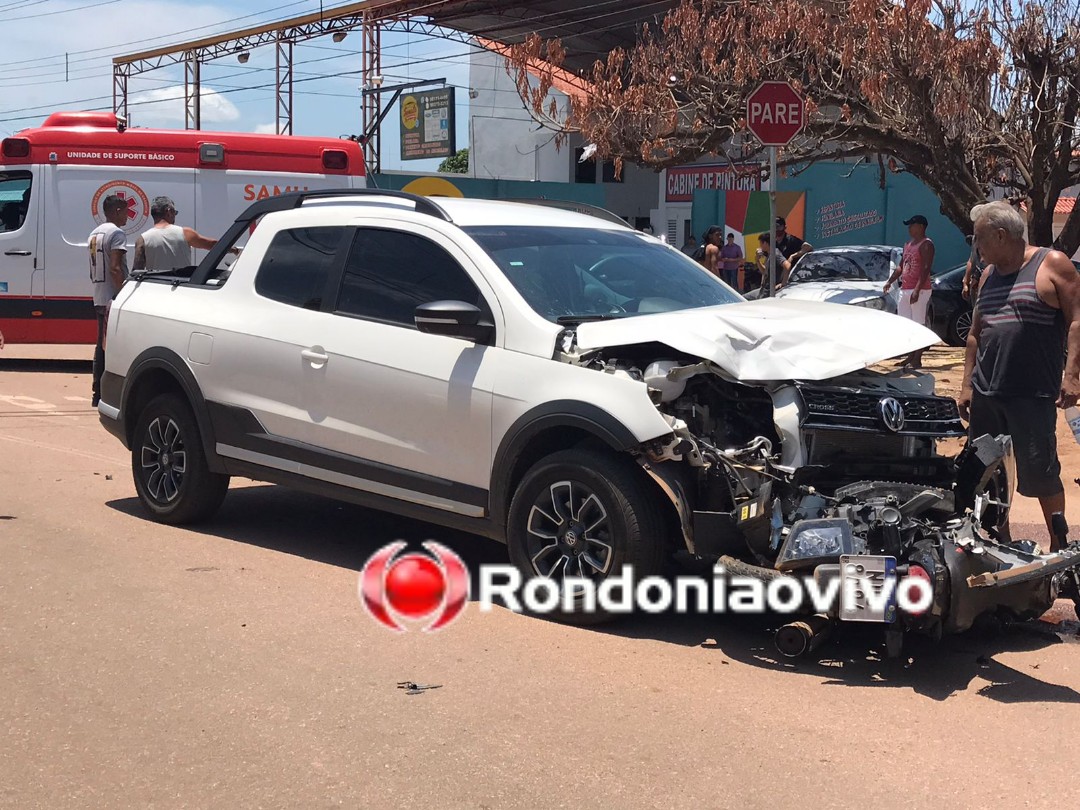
column 772, row 221
column 775, row 113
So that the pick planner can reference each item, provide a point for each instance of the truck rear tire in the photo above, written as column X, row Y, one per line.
column 169, row 466
column 584, row 513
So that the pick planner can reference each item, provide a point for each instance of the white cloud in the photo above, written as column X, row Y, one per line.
column 33, row 80
column 265, row 129
column 165, row 105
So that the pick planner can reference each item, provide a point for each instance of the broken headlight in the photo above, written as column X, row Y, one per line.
column 816, row 541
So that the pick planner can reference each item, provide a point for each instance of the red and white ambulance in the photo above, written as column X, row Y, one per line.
column 54, row 178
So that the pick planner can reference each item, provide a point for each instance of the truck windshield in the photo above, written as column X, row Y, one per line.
column 568, row 274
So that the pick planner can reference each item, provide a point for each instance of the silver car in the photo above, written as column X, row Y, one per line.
column 846, row 275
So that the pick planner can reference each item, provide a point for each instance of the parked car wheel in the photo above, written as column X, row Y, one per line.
column 172, row 478
column 583, row 513
column 959, row 326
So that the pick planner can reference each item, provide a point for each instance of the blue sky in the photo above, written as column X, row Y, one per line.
column 38, row 33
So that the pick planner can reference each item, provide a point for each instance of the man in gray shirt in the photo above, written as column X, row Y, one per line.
column 167, row 246
column 108, row 270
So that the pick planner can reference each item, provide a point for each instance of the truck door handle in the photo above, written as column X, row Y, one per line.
column 315, row 356
column 17, row 253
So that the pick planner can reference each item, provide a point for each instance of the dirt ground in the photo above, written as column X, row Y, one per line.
column 947, row 365
column 231, row 664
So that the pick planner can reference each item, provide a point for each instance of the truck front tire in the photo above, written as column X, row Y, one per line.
column 169, row 466
column 585, row 513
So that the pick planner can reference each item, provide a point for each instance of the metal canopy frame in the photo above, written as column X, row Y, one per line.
column 588, row 30
column 370, row 17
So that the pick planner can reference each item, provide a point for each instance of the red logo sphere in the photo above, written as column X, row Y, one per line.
column 414, row 586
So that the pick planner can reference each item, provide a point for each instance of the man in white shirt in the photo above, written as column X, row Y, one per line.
column 108, row 271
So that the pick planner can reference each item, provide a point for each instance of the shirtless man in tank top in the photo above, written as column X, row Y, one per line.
column 1015, row 370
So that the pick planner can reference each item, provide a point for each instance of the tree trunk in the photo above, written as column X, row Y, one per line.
column 1040, row 223
column 1069, row 239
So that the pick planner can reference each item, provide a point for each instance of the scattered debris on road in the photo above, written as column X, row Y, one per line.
column 416, row 688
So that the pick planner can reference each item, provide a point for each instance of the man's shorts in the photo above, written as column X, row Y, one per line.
column 1032, row 423
column 917, row 311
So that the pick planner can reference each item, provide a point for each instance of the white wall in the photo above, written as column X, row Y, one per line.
column 507, row 143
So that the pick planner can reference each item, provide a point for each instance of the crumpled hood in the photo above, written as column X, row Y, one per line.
column 770, row 340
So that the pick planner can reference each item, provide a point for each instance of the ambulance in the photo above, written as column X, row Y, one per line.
column 54, row 179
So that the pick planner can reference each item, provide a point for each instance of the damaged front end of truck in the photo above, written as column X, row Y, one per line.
column 789, row 454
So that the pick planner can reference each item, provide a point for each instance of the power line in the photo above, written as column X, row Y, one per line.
column 73, row 102
column 61, row 11
column 9, row 76
column 225, row 91
column 152, row 39
column 22, row 4
column 337, row 55
column 25, row 64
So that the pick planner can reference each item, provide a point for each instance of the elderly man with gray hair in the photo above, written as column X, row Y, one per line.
column 167, row 246
column 1015, row 370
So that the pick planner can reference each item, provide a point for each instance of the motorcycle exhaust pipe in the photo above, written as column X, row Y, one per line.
column 804, row 636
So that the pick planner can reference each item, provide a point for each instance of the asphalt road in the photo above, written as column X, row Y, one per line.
column 232, row 666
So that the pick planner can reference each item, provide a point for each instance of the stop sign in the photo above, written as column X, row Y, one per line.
column 775, row 113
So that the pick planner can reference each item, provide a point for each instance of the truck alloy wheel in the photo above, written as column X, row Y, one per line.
column 586, row 514
column 569, row 533
column 172, row 478
column 164, row 459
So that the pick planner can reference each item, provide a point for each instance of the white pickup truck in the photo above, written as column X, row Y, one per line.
column 559, row 382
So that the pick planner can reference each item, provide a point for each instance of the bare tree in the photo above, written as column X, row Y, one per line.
column 971, row 98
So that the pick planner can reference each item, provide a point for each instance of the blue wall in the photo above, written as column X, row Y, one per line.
column 845, row 205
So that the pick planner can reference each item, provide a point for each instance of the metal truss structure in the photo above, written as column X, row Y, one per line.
column 589, row 34
column 283, row 36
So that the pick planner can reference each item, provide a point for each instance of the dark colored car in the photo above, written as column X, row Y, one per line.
column 950, row 314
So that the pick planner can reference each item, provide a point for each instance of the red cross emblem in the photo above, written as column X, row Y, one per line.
column 132, row 204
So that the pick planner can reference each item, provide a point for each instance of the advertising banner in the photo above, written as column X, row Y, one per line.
column 427, row 125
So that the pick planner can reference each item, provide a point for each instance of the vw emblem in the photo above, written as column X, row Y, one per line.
column 892, row 414
column 571, row 538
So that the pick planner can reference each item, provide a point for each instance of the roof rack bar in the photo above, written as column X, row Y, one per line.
column 578, row 207
column 294, row 199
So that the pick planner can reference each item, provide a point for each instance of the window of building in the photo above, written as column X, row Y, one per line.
column 584, row 171
column 609, row 172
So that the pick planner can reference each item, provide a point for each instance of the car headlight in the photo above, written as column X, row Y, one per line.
column 870, row 303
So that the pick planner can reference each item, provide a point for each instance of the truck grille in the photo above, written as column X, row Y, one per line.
column 841, row 409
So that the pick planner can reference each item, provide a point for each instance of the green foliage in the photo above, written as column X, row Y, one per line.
column 457, row 163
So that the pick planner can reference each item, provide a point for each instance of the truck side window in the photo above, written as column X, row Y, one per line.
column 14, row 200
column 390, row 273
column 297, row 264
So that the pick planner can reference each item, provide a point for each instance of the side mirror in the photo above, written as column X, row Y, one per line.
column 455, row 319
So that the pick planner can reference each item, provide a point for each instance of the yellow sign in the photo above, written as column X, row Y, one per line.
column 410, row 112
column 433, row 187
